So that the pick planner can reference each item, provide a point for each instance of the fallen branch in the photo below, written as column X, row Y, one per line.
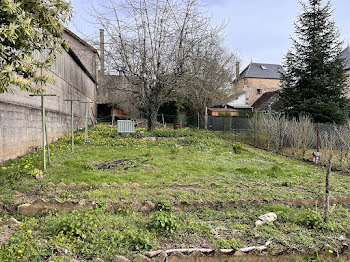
column 206, row 250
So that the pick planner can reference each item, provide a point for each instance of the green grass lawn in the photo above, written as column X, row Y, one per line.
column 206, row 196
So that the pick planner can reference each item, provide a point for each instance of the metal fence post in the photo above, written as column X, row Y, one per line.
column 43, row 131
column 206, row 119
column 72, row 112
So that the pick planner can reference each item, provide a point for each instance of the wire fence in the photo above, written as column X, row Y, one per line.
column 299, row 138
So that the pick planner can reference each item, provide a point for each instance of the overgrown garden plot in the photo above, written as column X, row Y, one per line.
column 200, row 194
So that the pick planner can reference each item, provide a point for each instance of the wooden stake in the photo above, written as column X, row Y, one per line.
column 326, row 211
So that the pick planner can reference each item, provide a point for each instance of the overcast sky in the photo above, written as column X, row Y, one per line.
column 258, row 30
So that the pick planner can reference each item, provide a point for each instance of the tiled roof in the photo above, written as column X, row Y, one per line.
column 265, row 101
column 259, row 70
column 346, row 55
column 80, row 40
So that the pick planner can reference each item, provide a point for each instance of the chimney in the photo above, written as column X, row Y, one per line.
column 102, row 51
column 237, row 70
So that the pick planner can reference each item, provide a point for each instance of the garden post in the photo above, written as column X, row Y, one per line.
column 280, row 137
column 47, row 144
column 44, row 129
column 206, row 119
column 86, row 124
column 197, row 120
column 326, row 213
column 318, row 137
column 72, row 112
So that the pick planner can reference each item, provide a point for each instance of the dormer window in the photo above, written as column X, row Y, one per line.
column 263, row 67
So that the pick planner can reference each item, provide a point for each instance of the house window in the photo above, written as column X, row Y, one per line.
column 258, row 91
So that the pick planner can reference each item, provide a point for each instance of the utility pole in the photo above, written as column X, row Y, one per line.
column 72, row 112
column 86, row 118
column 45, row 141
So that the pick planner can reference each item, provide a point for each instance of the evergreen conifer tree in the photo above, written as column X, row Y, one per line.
column 315, row 79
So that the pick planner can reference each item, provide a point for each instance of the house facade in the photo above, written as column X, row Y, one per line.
column 346, row 55
column 255, row 80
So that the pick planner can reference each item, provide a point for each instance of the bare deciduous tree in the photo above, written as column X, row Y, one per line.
column 154, row 44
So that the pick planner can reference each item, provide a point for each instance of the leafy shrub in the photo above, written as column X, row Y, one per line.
column 163, row 222
column 138, row 240
column 164, row 205
column 237, row 148
column 312, row 219
column 75, row 224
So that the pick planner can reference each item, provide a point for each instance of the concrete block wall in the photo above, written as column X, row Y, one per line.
column 20, row 114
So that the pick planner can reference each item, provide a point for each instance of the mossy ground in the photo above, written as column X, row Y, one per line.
column 262, row 179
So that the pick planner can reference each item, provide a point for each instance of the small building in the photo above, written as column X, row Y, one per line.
column 217, row 111
column 265, row 102
column 255, row 80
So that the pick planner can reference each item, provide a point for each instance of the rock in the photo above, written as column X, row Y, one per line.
column 259, row 223
column 270, row 217
column 342, row 238
column 195, row 254
column 214, row 185
column 239, row 253
column 25, row 209
column 62, row 185
column 153, row 253
column 136, row 205
column 83, row 185
column 71, row 185
column 141, row 258
column 104, row 185
column 98, row 260
column 125, row 185
column 114, row 184
column 41, row 205
column 160, row 258
column 177, row 256
column 148, row 206
column 134, row 186
column 120, row 259
column 50, row 184
column 10, row 222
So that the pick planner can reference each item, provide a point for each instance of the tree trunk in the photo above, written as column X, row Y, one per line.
column 151, row 119
column 326, row 210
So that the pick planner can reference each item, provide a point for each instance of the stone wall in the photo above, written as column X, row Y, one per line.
column 252, row 84
column 20, row 114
